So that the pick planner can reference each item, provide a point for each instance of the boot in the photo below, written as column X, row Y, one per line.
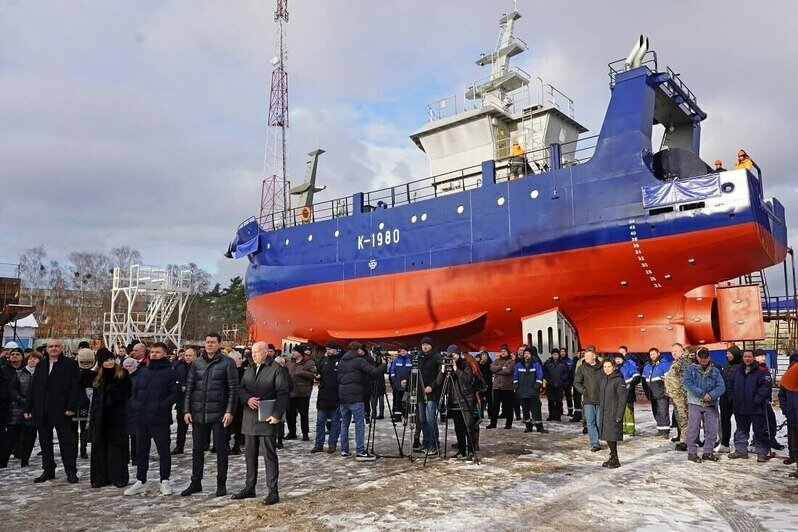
column 528, row 426
column 613, row 463
column 540, row 428
column 694, row 458
column 476, row 440
column 491, row 425
column 236, row 450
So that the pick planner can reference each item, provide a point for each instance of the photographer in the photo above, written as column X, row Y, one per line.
column 429, row 365
column 375, row 402
column 353, row 371
column 460, row 402
column 400, row 372
column 327, row 398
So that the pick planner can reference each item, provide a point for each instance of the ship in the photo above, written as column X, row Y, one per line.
column 562, row 240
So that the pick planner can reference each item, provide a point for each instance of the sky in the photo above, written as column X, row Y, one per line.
column 143, row 122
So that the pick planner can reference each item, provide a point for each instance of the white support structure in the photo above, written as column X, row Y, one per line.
column 147, row 303
column 548, row 330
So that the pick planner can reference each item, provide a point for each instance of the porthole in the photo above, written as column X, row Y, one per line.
column 500, row 201
column 460, row 209
column 424, row 217
column 534, row 194
column 337, row 233
column 727, row 188
column 268, row 245
column 310, row 238
column 382, row 226
column 413, row 219
column 287, row 241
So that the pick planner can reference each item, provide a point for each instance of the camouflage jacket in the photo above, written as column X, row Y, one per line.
column 674, row 380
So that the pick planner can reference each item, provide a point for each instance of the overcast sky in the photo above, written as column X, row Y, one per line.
column 142, row 123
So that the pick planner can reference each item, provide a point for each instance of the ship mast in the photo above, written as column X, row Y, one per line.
column 275, row 200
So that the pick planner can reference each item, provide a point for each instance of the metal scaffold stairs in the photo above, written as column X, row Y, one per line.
column 147, row 303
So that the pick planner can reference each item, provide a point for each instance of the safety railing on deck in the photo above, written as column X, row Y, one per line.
column 619, row 66
column 578, row 151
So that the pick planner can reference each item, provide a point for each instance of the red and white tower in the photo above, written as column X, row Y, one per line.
column 275, row 199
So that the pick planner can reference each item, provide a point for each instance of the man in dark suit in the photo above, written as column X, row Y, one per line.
column 263, row 380
column 51, row 404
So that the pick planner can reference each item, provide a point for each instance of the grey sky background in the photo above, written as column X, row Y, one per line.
column 142, row 123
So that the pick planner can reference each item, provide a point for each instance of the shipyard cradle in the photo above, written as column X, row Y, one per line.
column 604, row 240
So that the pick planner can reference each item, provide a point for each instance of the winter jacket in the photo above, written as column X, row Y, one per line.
column 788, row 398
column 502, row 370
column 352, row 371
column 373, row 384
column 461, row 393
column 730, row 368
column 54, row 391
column 587, row 380
column 674, row 380
column 302, row 374
column 556, row 372
column 528, row 379
column 570, row 363
column 630, row 371
column 750, row 390
column 653, row 373
column 211, row 388
column 132, row 415
column 327, row 370
column 699, row 382
column 155, row 391
column 484, row 370
column 108, row 420
column 86, row 391
column 17, row 383
column 181, row 372
column 429, row 366
column 271, row 383
column 399, row 371
column 612, row 403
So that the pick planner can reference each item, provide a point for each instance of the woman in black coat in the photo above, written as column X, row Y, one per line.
column 108, row 423
column 612, row 403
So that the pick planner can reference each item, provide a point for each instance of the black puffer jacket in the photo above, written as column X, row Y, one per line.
column 211, row 388
column 155, row 391
column 429, row 366
column 327, row 398
column 462, row 389
column 353, row 371
column 17, row 382
column 556, row 372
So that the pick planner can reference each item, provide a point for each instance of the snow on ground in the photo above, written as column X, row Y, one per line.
column 524, row 482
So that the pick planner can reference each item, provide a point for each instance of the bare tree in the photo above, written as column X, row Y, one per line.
column 124, row 257
column 91, row 270
column 33, row 272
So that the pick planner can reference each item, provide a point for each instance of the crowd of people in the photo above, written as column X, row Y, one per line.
column 120, row 403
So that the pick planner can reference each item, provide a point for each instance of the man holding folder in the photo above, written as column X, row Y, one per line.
column 264, row 392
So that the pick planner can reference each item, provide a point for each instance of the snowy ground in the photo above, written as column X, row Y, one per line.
column 524, row 482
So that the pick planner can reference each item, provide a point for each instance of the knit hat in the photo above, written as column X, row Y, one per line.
column 532, row 350
column 86, row 355
column 453, row 349
column 760, row 353
column 505, row 347
column 332, row 344
column 270, row 346
column 297, row 349
column 702, row 353
column 103, row 354
column 426, row 340
column 130, row 362
column 736, row 354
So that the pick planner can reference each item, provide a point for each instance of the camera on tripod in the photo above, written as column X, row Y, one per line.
column 448, row 361
column 378, row 353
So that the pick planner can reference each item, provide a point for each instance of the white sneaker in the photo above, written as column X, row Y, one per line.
column 166, row 488
column 135, row 489
column 722, row 449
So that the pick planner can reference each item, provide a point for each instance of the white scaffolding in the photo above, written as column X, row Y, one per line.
column 147, row 303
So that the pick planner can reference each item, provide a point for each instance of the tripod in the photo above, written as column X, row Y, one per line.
column 411, row 400
column 450, row 384
column 373, row 426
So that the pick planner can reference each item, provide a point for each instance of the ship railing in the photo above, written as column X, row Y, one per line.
column 442, row 108
column 325, row 210
column 536, row 162
column 427, row 188
column 619, row 66
column 579, row 151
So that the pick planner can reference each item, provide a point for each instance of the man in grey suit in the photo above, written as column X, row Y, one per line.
column 263, row 380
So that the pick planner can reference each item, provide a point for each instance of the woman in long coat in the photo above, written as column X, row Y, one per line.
column 612, row 404
column 108, row 423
